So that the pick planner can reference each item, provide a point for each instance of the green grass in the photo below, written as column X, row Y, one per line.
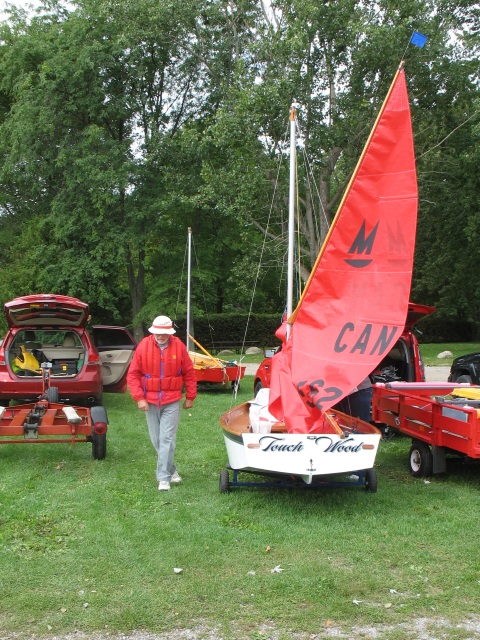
column 92, row 545
column 431, row 351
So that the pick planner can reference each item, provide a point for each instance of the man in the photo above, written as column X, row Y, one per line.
column 159, row 370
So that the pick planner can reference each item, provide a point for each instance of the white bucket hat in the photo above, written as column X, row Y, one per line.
column 162, row 324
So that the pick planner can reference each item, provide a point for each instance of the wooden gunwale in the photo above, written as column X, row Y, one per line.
column 237, row 421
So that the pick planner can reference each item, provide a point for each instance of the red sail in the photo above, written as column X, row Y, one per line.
column 355, row 303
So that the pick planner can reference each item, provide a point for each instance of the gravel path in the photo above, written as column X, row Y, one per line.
column 434, row 628
column 437, row 374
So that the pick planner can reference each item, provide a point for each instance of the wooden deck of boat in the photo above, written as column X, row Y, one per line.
column 237, row 421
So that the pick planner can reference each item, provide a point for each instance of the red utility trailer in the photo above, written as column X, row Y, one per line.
column 47, row 421
column 441, row 419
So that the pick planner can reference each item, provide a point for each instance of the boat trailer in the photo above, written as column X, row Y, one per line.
column 366, row 478
column 49, row 421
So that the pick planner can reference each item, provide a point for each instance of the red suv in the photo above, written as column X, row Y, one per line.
column 403, row 361
column 48, row 328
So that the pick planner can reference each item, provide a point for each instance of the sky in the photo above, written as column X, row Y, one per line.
column 18, row 3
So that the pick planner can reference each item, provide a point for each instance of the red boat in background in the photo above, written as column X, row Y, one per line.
column 212, row 370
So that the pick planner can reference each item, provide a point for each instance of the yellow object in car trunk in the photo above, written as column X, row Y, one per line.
column 27, row 361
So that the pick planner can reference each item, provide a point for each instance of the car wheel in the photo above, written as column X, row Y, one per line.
column 371, row 480
column 420, row 459
column 224, row 481
column 52, row 394
column 258, row 387
column 464, row 378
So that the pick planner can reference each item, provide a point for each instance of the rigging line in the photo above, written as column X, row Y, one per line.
column 181, row 282
column 197, row 262
column 262, row 250
column 311, row 180
column 314, row 191
column 450, row 134
column 406, row 48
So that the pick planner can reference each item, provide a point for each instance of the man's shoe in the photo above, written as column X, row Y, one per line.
column 176, row 478
column 163, row 485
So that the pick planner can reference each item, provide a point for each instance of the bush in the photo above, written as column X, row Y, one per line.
column 224, row 330
column 433, row 329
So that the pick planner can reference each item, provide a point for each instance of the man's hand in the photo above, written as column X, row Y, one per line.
column 142, row 405
column 188, row 404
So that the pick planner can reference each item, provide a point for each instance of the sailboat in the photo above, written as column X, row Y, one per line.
column 352, row 309
column 209, row 369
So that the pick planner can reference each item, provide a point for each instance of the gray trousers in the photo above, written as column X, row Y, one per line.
column 162, row 426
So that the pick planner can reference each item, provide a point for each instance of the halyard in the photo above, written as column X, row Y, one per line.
column 92, row 547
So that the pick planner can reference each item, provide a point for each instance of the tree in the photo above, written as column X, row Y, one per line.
column 108, row 88
column 121, row 124
column 337, row 61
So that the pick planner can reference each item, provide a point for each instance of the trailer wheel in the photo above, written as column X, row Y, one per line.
column 420, row 459
column 371, row 480
column 224, row 481
column 99, row 446
column 52, row 394
column 236, row 386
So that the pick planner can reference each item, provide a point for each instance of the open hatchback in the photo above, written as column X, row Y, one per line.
column 48, row 328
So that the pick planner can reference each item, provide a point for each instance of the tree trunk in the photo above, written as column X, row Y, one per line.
column 135, row 284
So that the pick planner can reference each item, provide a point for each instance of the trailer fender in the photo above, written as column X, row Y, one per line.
column 99, row 419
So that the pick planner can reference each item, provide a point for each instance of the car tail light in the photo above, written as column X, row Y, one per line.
column 2, row 356
column 421, row 367
column 93, row 358
column 100, row 428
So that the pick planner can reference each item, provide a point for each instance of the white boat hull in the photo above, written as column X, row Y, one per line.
column 307, row 456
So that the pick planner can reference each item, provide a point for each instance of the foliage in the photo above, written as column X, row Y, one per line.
column 227, row 330
column 122, row 124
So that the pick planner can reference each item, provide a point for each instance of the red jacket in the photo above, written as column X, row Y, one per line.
column 159, row 375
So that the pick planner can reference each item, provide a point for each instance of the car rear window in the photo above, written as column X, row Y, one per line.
column 45, row 338
column 111, row 337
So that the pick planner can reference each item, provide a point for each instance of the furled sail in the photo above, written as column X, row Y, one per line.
column 355, row 303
